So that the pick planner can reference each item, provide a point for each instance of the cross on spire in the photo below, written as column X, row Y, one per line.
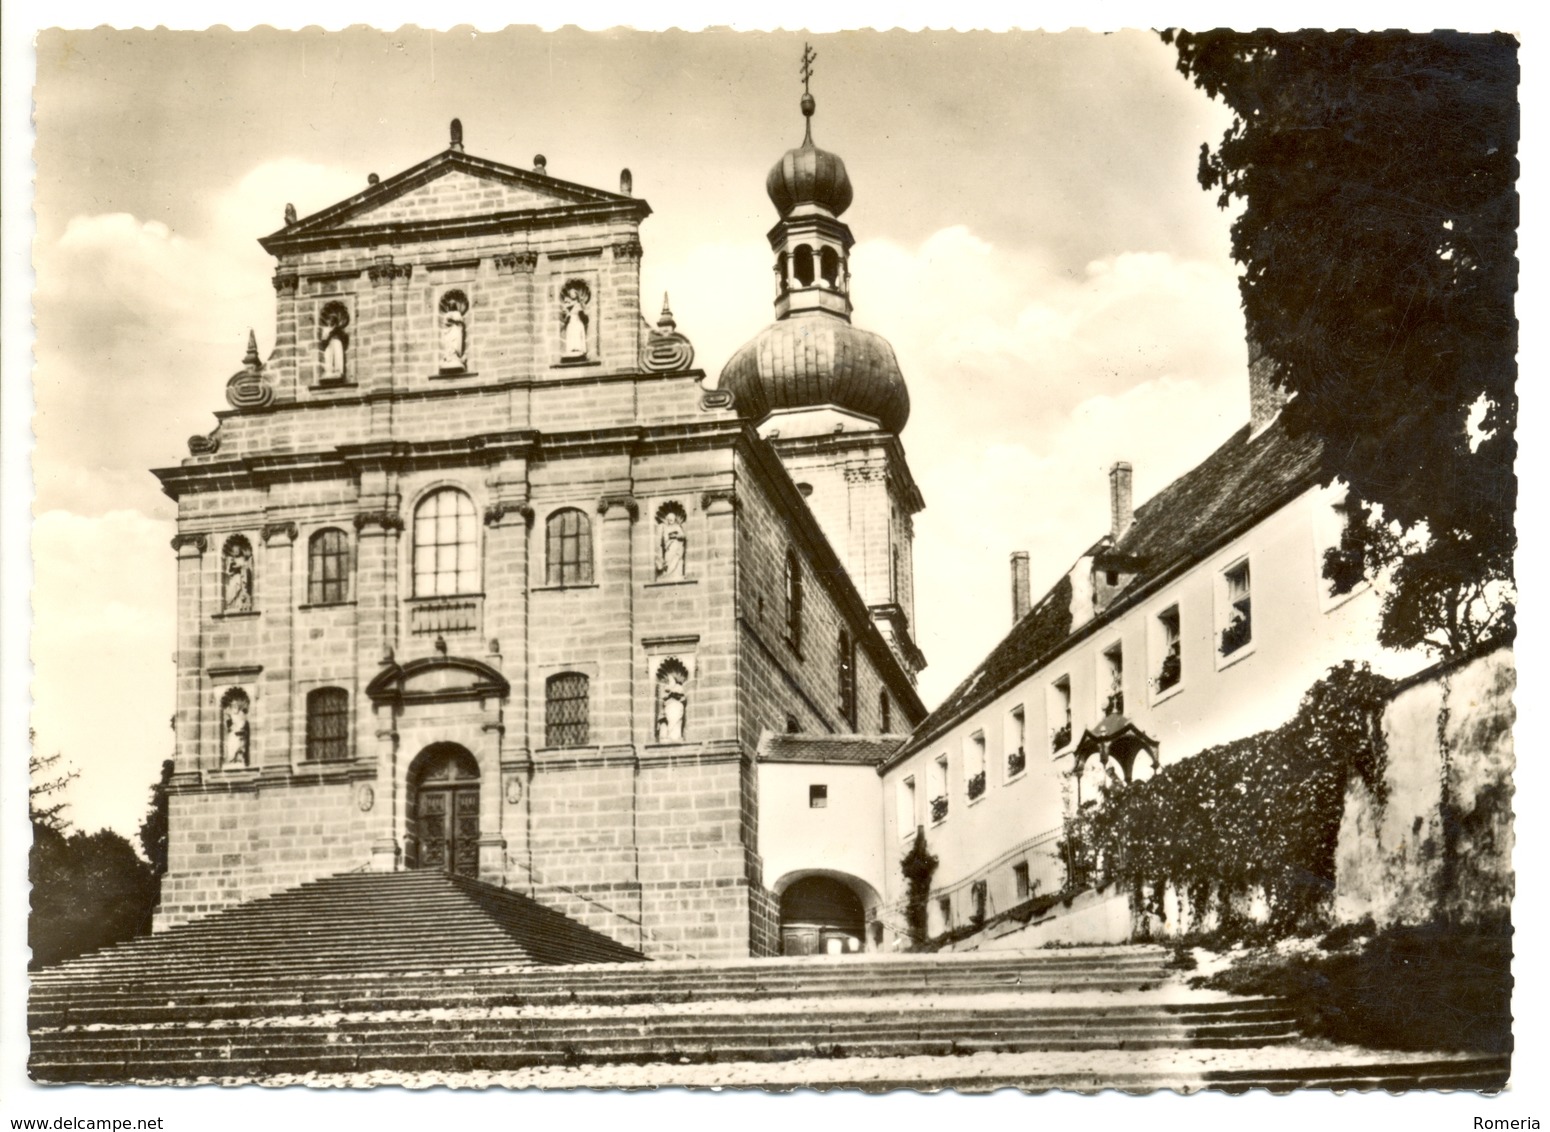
column 808, row 55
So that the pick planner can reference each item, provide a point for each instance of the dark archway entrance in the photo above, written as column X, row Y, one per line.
column 821, row 916
column 443, row 811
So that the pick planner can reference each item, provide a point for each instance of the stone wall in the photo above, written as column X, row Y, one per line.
column 1440, row 845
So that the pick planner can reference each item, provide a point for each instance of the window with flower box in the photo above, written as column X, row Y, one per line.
column 1016, row 738
column 974, row 765
column 1060, row 714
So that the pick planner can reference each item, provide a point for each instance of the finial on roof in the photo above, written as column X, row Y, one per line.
column 540, row 164
column 457, row 135
column 626, row 182
column 250, row 359
column 808, row 105
column 290, row 213
column 372, row 178
column 666, row 321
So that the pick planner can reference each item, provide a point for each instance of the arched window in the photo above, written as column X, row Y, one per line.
column 568, row 548
column 803, row 265
column 328, row 725
column 793, row 600
column 829, row 266
column 566, row 710
column 328, row 567
column 446, row 545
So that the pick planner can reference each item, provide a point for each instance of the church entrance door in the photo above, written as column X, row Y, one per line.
column 443, row 811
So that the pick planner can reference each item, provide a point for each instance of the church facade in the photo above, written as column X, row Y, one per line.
column 476, row 574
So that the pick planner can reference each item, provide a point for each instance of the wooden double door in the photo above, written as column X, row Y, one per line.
column 444, row 811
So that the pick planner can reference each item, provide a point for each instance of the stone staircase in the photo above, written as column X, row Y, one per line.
column 368, row 978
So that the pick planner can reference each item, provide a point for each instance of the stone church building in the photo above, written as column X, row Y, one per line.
column 476, row 574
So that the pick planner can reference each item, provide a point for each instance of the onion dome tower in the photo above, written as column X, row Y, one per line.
column 828, row 395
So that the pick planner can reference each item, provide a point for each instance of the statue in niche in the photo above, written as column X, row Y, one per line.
column 574, row 297
column 237, row 576
column 454, row 332
column 672, row 544
column 673, row 701
column 234, row 728
column 333, row 339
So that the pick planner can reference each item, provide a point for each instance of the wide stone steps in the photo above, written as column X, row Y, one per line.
column 494, row 1045
column 370, row 977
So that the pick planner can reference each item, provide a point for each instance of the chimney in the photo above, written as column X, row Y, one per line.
column 1120, row 512
column 1266, row 398
column 1021, row 598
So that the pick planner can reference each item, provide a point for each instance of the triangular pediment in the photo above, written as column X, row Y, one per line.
column 451, row 187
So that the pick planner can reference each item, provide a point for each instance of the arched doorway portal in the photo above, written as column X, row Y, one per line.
column 442, row 811
column 820, row 915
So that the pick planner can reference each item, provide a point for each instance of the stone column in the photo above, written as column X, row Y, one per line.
column 278, row 599
column 190, row 653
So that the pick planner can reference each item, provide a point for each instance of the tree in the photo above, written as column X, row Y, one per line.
column 153, row 829
column 1378, row 174
column 918, row 865
column 88, row 890
column 43, row 785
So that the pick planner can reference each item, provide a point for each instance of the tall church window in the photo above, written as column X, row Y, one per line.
column 568, row 547
column 885, row 713
column 847, row 678
column 328, row 725
column 446, row 545
column 793, row 600
column 566, row 710
column 328, row 567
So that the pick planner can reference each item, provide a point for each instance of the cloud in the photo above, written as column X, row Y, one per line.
column 138, row 328
column 102, row 642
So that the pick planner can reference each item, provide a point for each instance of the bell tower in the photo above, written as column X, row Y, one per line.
column 829, row 396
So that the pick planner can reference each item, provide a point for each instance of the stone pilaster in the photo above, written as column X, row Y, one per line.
column 190, row 550
column 614, row 700
column 382, row 352
column 389, row 793
column 377, row 613
column 286, row 286
column 278, row 598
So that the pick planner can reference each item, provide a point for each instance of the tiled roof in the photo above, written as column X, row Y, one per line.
column 864, row 750
column 1206, row 505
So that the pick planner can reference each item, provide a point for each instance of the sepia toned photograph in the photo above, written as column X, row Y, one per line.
column 857, row 561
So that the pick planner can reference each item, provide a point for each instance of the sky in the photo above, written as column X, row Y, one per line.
column 1030, row 237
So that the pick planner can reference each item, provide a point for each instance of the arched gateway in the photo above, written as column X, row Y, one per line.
column 820, row 915
column 442, row 811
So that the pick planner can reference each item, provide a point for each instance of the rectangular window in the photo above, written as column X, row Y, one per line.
column 566, row 710
column 1236, row 609
column 793, row 601
column 974, row 764
column 906, row 808
column 847, row 679
column 1020, row 880
column 1170, row 664
column 944, row 907
column 1112, row 684
column 818, row 796
column 1060, row 714
column 1016, row 740
column 979, row 893
column 328, row 567
column 568, row 549
column 936, row 785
